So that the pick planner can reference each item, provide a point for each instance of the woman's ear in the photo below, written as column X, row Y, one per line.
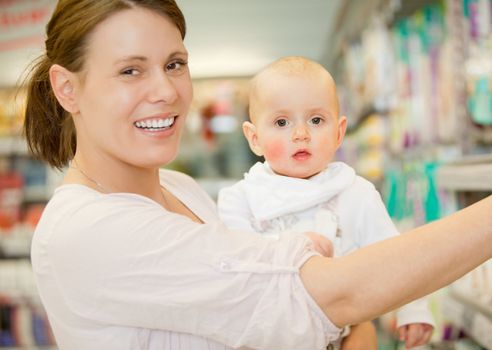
column 342, row 129
column 249, row 130
column 62, row 82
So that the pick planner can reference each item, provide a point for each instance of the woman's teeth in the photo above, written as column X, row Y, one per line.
column 155, row 124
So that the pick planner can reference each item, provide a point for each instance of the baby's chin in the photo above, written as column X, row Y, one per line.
column 297, row 174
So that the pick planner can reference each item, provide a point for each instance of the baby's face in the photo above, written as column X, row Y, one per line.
column 297, row 124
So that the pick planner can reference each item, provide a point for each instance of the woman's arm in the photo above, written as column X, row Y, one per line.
column 388, row 274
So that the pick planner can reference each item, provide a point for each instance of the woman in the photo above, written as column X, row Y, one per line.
column 128, row 257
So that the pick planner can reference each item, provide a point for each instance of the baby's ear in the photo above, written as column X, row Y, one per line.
column 342, row 129
column 249, row 130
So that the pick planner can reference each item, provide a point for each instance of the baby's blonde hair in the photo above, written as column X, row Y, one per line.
column 289, row 65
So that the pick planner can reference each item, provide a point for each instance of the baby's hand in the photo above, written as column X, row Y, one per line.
column 321, row 244
column 415, row 334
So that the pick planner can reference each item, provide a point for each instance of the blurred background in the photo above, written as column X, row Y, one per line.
column 414, row 80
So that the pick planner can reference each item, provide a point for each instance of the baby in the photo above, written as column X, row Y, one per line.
column 295, row 125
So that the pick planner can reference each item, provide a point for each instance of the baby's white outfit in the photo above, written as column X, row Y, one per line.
column 336, row 203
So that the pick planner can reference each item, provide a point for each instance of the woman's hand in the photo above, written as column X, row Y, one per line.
column 361, row 337
column 321, row 243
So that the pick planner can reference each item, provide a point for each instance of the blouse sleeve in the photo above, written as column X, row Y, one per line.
column 131, row 263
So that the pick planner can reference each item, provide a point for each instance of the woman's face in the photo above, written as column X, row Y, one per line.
column 135, row 90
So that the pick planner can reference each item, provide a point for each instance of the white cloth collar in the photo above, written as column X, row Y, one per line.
column 271, row 195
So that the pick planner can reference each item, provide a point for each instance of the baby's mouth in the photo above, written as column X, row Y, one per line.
column 301, row 154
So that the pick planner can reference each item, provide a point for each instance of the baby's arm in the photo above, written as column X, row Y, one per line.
column 415, row 323
column 415, row 334
column 233, row 208
column 361, row 337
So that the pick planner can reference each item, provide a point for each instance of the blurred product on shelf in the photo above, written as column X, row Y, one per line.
column 478, row 67
column 11, row 117
column 25, row 186
column 10, row 199
column 23, row 322
column 213, row 146
column 418, row 96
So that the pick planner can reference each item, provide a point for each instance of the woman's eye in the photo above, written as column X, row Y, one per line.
column 129, row 71
column 281, row 122
column 316, row 120
column 176, row 66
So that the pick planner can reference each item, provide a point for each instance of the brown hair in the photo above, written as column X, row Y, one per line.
column 48, row 128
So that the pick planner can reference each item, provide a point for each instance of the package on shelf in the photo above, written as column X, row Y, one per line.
column 478, row 69
column 36, row 179
column 23, row 322
column 33, row 171
column 10, row 199
column 364, row 147
column 12, row 145
column 24, row 326
column 477, row 284
column 11, row 111
column 16, row 242
column 17, row 217
column 473, row 294
column 17, row 281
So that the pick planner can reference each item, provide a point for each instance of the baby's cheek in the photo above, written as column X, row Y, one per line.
column 275, row 150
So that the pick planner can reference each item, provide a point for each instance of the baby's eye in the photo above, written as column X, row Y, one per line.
column 281, row 122
column 316, row 120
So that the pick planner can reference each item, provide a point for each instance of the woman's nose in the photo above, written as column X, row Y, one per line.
column 162, row 89
column 301, row 133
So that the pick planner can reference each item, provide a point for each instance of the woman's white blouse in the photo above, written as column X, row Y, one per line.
column 117, row 271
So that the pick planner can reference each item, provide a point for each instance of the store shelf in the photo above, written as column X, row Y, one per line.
column 13, row 145
column 213, row 185
column 32, row 348
column 473, row 302
column 38, row 193
column 473, row 316
column 376, row 107
column 468, row 174
column 15, row 243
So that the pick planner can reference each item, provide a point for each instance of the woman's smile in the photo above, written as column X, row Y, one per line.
column 156, row 124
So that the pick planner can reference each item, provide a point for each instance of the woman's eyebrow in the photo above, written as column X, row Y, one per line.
column 130, row 58
column 178, row 53
column 144, row 59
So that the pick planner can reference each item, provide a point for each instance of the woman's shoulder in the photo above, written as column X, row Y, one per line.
column 72, row 195
column 79, row 205
column 178, row 182
column 185, row 187
column 176, row 178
